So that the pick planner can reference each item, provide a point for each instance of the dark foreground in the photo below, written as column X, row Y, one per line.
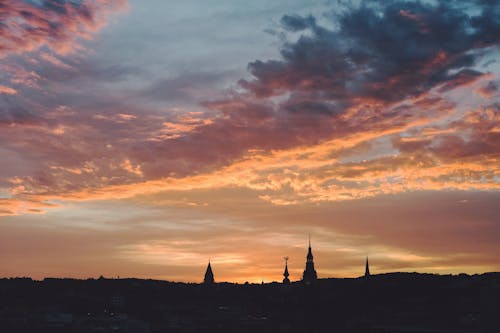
column 398, row 302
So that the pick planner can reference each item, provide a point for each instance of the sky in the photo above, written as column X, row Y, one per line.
column 145, row 138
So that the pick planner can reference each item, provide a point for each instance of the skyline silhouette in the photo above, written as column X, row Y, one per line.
column 306, row 276
column 309, row 275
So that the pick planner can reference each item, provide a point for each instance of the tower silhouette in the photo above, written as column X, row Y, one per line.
column 209, row 275
column 309, row 275
column 367, row 269
column 286, row 280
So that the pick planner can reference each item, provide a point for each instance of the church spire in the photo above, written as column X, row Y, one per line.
column 209, row 275
column 286, row 280
column 309, row 275
column 367, row 269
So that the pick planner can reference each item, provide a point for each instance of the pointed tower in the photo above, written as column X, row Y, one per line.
column 367, row 269
column 310, row 275
column 209, row 275
column 286, row 280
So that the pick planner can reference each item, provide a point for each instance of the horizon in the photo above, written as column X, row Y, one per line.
column 200, row 282
column 251, row 281
column 144, row 139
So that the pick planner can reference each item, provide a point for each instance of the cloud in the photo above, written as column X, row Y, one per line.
column 384, row 50
column 476, row 135
column 190, row 87
column 28, row 26
column 298, row 23
column 380, row 76
column 488, row 90
column 39, row 38
column 19, row 206
column 7, row 90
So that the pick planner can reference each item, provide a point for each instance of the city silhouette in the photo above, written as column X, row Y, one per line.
column 390, row 302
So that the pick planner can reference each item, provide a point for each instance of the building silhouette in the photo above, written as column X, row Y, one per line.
column 209, row 275
column 286, row 280
column 367, row 269
column 309, row 275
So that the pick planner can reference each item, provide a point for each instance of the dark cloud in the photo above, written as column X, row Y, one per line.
column 297, row 23
column 384, row 50
column 300, row 104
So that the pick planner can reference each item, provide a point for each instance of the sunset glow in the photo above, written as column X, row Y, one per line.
column 144, row 138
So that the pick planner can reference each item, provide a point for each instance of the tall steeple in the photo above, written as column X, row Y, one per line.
column 367, row 269
column 309, row 275
column 209, row 275
column 286, row 280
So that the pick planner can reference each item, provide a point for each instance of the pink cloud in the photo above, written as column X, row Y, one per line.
column 58, row 25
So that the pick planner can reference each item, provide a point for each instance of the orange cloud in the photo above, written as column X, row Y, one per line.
column 316, row 173
column 7, row 90
column 20, row 206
